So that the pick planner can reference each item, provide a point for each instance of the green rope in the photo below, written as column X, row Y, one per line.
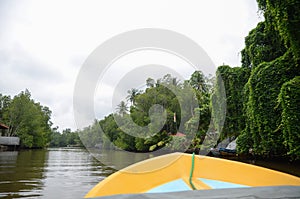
column 192, row 171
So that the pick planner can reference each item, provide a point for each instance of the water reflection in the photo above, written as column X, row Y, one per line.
column 52, row 173
column 119, row 159
column 71, row 173
column 22, row 173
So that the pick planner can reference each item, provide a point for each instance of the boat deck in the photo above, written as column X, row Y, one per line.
column 275, row 192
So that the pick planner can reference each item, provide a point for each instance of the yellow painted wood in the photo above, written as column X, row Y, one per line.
column 145, row 175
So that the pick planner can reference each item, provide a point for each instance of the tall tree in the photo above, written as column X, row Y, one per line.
column 122, row 108
column 29, row 120
column 4, row 105
column 132, row 94
column 198, row 82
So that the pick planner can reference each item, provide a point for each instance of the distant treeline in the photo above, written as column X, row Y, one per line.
column 65, row 139
column 31, row 122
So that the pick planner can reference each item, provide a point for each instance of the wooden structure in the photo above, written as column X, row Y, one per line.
column 178, row 134
column 9, row 141
column 2, row 126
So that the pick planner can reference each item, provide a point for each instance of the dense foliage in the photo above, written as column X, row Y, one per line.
column 285, row 17
column 289, row 100
column 65, row 139
column 165, row 107
column 263, row 44
column 26, row 119
column 272, row 53
column 263, row 116
column 234, row 80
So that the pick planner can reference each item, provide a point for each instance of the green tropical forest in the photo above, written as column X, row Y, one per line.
column 27, row 119
column 31, row 122
column 262, row 102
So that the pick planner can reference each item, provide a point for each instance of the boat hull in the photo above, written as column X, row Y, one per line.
column 181, row 172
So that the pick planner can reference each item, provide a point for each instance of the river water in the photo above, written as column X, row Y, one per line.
column 52, row 173
column 68, row 172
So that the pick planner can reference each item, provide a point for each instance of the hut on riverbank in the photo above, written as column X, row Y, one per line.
column 3, row 128
column 7, row 142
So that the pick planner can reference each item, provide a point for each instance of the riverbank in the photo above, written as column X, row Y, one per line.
column 278, row 164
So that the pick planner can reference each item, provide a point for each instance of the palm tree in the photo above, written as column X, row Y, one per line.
column 132, row 95
column 150, row 82
column 122, row 108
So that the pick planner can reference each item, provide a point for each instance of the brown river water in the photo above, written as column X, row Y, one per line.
column 69, row 172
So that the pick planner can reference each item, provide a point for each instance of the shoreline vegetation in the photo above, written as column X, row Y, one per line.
column 262, row 100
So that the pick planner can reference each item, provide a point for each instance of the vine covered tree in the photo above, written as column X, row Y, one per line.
column 272, row 52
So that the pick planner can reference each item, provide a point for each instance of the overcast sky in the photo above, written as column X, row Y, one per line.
column 43, row 44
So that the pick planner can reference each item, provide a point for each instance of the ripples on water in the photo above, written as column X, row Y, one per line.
column 52, row 173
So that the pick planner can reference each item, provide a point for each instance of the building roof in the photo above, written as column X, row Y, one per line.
column 178, row 134
column 2, row 126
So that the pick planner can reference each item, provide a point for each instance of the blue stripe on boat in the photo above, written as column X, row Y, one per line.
column 176, row 185
column 215, row 184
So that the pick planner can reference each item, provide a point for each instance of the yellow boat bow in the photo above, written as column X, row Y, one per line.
column 183, row 172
